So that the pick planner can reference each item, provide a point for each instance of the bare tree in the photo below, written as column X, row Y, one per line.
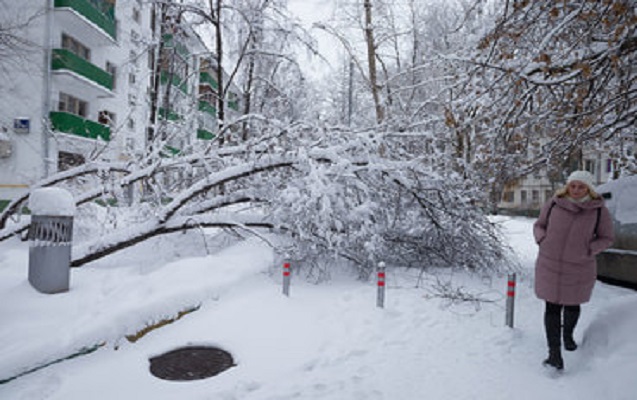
column 371, row 60
column 14, row 44
column 549, row 78
column 358, row 194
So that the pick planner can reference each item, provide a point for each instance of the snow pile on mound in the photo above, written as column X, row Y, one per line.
column 612, row 331
column 610, row 345
column 106, row 304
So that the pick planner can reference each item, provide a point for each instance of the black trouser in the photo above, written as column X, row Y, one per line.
column 553, row 322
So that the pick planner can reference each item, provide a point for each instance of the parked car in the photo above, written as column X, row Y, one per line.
column 618, row 264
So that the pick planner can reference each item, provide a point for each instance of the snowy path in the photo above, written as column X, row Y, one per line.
column 330, row 342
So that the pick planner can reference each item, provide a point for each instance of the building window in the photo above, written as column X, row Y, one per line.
column 132, row 79
column 130, row 145
column 523, row 198
column 548, row 195
column 131, row 124
column 73, row 105
column 75, row 47
column 151, row 59
column 508, row 196
column 112, row 69
column 153, row 20
column 132, row 99
column 132, row 57
column 207, row 95
column 106, row 118
column 134, row 37
column 69, row 160
column 171, row 62
column 137, row 15
column 589, row 165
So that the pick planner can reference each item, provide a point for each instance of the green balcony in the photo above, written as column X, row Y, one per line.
column 204, row 134
column 170, row 43
column 169, row 115
column 176, row 81
column 169, row 151
column 205, row 77
column 207, row 107
column 233, row 101
column 76, row 125
column 66, row 60
column 99, row 12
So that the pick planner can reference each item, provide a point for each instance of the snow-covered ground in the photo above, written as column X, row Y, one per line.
column 326, row 341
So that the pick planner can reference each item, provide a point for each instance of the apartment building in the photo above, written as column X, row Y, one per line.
column 101, row 81
column 527, row 195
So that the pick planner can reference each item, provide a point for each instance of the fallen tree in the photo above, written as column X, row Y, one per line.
column 327, row 194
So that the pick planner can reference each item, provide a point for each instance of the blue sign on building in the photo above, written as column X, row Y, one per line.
column 21, row 125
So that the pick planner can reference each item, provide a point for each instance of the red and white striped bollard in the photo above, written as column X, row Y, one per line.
column 510, row 300
column 286, row 279
column 380, row 295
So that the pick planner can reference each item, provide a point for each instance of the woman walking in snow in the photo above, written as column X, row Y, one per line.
column 572, row 228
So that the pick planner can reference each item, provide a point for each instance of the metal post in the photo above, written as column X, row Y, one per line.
column 510, row 300
column 286, row 279
column 50, row 235
column 380, row 297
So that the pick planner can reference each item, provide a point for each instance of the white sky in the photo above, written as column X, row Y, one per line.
column 310, row 12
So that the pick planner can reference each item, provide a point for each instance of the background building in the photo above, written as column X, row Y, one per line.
column 527, row 195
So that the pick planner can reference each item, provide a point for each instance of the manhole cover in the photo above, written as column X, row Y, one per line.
column 190, row 363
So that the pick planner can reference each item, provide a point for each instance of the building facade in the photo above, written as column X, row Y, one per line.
column 102, row 80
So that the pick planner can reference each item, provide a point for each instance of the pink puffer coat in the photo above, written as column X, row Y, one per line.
column 565, row 270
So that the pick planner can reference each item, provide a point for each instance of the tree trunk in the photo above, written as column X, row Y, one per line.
column 371, row 59
column 215, row 9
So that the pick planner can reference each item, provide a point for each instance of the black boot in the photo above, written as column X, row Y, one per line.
column 571, row 315
column 553, row 326
column 555, row 358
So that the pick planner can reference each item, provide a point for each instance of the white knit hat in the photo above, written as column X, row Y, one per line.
column 582, row 176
